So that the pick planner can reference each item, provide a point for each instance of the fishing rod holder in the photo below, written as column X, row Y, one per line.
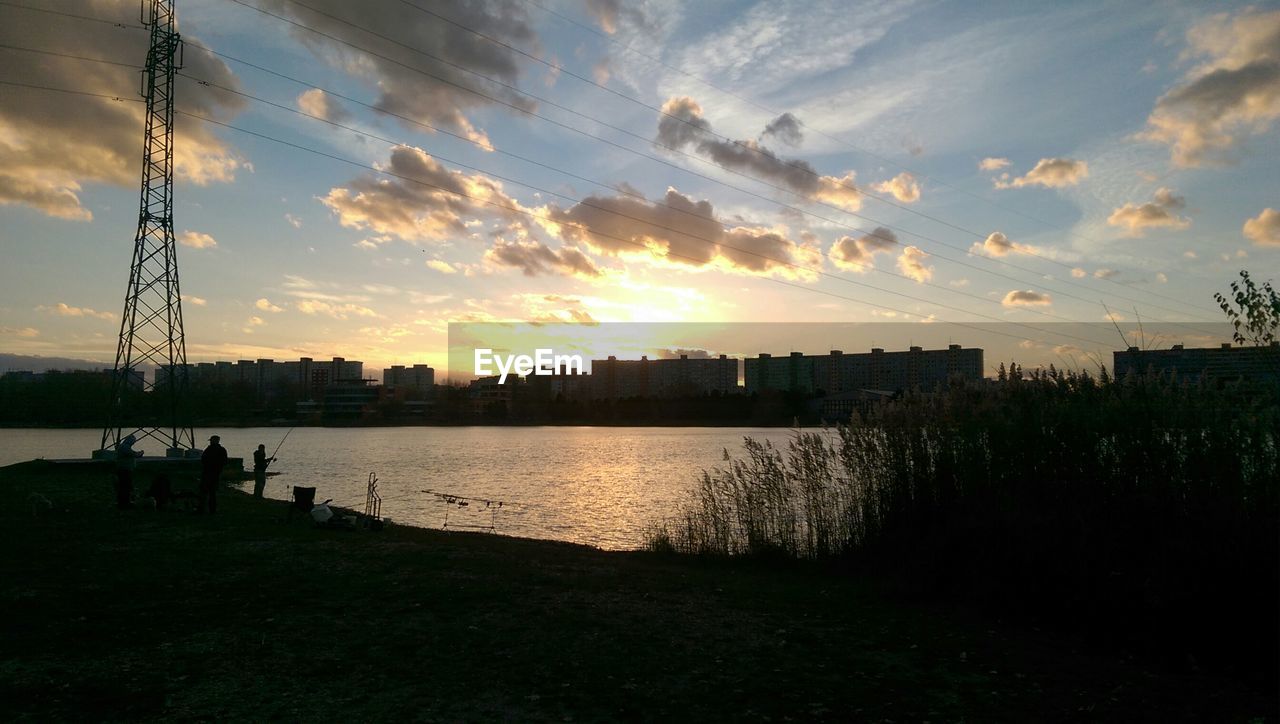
column 373, row 501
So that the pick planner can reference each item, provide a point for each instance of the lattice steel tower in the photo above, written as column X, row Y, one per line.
column 151, row 327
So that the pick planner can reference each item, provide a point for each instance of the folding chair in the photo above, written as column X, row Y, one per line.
column 303, row 500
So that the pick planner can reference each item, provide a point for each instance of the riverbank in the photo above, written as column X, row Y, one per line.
column 139, row 614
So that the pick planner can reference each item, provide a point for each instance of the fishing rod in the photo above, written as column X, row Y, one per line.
column 286, row 437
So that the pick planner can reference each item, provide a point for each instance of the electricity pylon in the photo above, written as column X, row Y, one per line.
column 151, row 333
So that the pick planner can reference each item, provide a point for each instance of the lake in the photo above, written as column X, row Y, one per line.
column 596, row 485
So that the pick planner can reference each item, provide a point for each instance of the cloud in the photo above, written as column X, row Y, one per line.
column 683, row 125
column 46, row 155
column 1161, row 212
column 609, row 14
column 680, row 231
column 676, row 230
column 265, row 305
column 417, row 297
column 1025, row 297
column 785, row 128
column 294, row 221
column 1264, row 230
column 387, row 335
column 423, row 200
column 903, row 187
column 600, row 72
column 996, row 244
column 63, row 310
column 547, row 308
column 1051, row 173
column 1233, row 93
column 1105, row 273
column 1079, row 273
column 857, row 254
column 912, row 264
column 534, row 258
column 197, row 301
column 443, row 267
column 20, row 332
column 991, row 163
column 337, row 311
column 441, row 100
column 255, row 322
column 317, row 103
column 196, row 240
column 331, row 298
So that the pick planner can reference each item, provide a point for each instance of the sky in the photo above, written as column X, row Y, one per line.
column 351, row 178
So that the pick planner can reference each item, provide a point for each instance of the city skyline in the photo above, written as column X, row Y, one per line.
column 935, row 152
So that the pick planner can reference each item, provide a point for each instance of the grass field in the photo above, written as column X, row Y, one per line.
column 139, row 614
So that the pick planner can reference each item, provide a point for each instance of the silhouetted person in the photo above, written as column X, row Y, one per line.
column 211, row 463
column 126, row 461
column 260, row 463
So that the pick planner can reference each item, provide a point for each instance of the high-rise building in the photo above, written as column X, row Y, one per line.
column 838, row 372
column 268, row 378
column 1220, row 363
column 418, row 377
column 613, row 378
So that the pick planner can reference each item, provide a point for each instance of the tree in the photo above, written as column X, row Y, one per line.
column 1256, row 313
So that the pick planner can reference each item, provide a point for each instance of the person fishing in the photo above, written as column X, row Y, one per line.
column 212, row 461
column 126, row 461
column 260, row 463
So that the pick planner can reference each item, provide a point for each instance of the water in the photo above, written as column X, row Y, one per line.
column 596, row 485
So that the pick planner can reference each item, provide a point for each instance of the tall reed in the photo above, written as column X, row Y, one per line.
column 1141, row 505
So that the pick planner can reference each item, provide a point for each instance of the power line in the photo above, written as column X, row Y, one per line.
column 621, row 239
column 798, row 165
column 601, row 184
column 794, row 164
column 581, row 226
column 1038, row 275
column 127, row 26
column 208, row 83
column 70, row 56
column 828, row 136
column 713, row 243
column 68, row 91
column 613, row 212
column 678, row 151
